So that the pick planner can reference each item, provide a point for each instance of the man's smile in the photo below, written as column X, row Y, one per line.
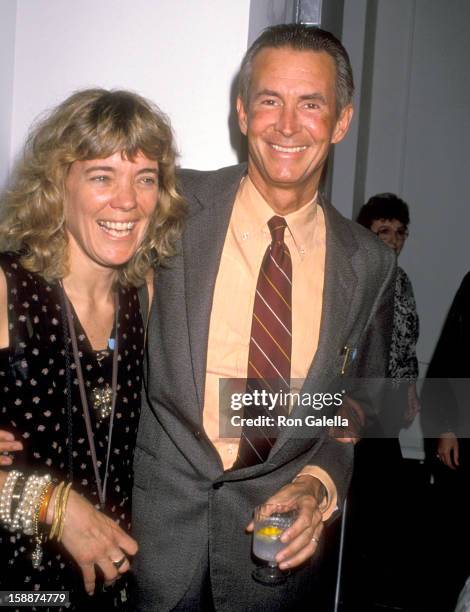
column 282, row 149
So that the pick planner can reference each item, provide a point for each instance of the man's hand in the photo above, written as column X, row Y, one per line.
column 448, row 450
column 92, row 539
column 302, row 537
column 8, row 444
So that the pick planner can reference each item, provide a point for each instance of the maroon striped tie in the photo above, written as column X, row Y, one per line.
column 269, row 357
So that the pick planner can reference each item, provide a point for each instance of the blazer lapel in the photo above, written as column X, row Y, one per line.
column 340, row 287
column 338, row 295
column 203, row 242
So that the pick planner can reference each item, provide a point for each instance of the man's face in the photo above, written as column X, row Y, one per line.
column 291, row 120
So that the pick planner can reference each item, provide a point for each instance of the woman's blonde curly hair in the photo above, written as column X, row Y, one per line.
column 90, row 124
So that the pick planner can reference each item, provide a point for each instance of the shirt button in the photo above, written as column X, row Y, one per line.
column 197, row 434
column 230, row 449
column 217, row 485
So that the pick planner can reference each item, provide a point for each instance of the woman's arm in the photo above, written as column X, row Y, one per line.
column 91, row 537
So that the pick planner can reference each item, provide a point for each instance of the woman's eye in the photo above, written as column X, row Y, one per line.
column 149, row 180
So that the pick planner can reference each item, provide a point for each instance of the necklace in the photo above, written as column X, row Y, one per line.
column 100, row 485
column 102, row 395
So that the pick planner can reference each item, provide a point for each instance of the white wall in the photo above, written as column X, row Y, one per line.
column 7, row 65
column 183, row 54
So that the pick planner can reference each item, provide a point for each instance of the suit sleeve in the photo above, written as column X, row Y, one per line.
column 333, row 458
column 374, row 352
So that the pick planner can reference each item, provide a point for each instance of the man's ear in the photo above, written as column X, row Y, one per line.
column 242, row 116
column 342, row 124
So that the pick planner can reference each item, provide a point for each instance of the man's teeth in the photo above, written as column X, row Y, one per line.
column 117, row 228
column 288, row 149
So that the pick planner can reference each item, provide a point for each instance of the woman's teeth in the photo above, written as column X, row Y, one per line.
column 117, row 228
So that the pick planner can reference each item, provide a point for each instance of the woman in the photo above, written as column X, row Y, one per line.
column 374, row 506
column 388, row 217
column 92, row 208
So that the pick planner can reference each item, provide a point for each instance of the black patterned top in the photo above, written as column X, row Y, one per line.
column 33, row 405
column 403, row 362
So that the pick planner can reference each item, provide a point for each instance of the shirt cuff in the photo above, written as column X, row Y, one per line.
column 330, row 503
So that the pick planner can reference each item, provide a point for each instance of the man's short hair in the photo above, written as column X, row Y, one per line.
column 301, row 37
column 384, row 206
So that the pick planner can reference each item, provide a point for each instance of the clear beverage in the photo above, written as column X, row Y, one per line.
column 271, row 520
column 266, row 542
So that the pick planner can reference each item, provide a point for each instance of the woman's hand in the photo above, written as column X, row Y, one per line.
column 8, row 444
column 92, row 539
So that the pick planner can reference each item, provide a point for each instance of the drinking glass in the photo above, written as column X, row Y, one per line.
column 271, row 520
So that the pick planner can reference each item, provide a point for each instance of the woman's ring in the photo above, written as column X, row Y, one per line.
column 118, row 564
column 315, row 539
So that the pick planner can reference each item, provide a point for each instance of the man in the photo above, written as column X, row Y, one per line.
column 195, row 491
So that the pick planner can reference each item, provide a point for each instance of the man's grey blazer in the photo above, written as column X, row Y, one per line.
column 186, row 509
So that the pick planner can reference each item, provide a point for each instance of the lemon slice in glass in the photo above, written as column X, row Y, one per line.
column 269, row 531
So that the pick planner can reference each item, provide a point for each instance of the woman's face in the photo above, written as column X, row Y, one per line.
column 108, row 205
column 391, row 231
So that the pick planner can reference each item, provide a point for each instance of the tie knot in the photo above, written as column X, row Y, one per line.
column 277, row 226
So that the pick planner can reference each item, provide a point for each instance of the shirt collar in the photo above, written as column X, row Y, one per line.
column 253, row 214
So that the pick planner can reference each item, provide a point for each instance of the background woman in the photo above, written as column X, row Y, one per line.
column 388, row 217
column 92, row 207
column 379, row 570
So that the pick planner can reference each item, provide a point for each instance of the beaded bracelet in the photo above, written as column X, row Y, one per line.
column 27, row 505
column 17, row 494
column 6, row 497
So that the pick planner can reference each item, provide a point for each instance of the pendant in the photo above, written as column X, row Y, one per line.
column 36, row 556
column 102, row 401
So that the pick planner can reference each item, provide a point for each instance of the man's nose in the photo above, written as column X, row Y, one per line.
column 288, row 122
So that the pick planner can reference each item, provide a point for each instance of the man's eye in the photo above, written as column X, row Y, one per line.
column 312, row 105
column 101, row 178
column 268, row 102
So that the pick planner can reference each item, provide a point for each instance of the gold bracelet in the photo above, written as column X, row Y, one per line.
column 42, row 514
column 63, row 506
column 55, row 520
